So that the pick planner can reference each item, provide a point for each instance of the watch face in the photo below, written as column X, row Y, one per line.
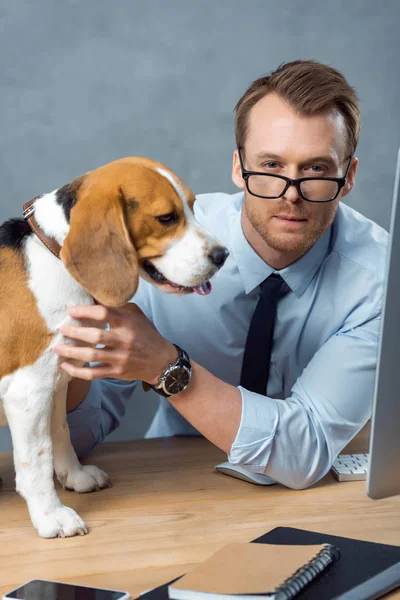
column 177, row 380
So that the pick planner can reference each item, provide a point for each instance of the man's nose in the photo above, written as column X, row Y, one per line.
column 292, row 193
column 218, row 256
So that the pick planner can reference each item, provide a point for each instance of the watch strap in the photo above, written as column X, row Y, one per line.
column 183, row 356
column 182, row 360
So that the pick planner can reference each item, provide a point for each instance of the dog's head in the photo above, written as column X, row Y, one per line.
column 135, row 217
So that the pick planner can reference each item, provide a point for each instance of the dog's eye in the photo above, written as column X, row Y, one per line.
column 168, row 219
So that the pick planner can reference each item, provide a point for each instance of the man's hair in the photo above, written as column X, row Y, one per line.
column 310, row 88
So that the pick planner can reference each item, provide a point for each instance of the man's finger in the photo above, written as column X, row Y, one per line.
column 85, row 354
column 89, row 373
column 98, row 312
column 91, row 335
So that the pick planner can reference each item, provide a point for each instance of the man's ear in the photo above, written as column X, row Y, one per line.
column 351, row 177
column 237, row 172
column 98, row 251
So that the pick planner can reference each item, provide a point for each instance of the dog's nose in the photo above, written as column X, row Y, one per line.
column 218, row 256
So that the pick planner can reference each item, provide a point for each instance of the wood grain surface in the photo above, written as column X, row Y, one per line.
column 168, row 510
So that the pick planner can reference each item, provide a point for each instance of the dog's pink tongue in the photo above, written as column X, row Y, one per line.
column 203, row 289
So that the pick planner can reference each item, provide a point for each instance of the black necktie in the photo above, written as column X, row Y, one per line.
column 257, row 353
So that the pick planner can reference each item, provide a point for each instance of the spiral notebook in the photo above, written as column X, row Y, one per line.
column 359, row 562
column 243, row 571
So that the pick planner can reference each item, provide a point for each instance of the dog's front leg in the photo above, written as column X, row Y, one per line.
column 28, row 407
column 71, row 474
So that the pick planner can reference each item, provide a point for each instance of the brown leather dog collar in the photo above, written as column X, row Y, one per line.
column 29, row 216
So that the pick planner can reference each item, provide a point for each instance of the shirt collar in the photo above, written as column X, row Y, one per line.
column 254, row 270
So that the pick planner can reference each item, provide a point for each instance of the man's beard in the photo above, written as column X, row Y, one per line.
column 285, row 242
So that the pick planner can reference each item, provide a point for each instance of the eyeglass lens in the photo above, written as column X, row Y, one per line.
column 272, row 187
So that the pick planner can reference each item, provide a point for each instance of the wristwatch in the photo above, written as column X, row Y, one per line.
column 176, row 377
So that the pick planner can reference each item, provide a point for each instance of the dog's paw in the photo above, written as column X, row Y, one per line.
column 62, row 522
column 87, row 479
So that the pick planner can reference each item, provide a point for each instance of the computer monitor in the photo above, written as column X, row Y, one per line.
column 383, row 478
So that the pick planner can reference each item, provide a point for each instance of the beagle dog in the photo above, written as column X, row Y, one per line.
column 87, row 241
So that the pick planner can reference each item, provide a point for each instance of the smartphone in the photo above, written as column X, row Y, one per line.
column 39, row 589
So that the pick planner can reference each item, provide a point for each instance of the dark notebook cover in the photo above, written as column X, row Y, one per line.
column 358, row 561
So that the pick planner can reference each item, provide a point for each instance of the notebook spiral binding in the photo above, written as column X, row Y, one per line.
column 303, row 576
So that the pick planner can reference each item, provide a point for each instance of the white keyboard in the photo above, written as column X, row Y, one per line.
column 350, row 467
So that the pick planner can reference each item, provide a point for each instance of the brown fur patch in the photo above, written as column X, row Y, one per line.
column 154, row 196
column 23, row 334
column 117, row 209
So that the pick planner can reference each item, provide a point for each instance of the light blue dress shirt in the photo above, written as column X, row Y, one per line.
column 323, row 362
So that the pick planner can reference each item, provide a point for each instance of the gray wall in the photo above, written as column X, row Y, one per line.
column 85, row 82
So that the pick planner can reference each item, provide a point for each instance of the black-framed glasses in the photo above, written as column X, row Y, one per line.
column 311, row 189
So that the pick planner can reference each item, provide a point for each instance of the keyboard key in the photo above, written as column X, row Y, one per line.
column 350, row 467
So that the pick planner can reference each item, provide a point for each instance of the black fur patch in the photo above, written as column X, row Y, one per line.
column 67, row 196
column 132, row 204
column 13, row 232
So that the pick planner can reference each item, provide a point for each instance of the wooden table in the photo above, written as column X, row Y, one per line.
column 169, row 510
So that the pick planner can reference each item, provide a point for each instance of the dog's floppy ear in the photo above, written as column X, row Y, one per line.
column 98, row 251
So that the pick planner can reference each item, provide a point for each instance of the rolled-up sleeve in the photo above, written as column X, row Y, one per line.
column 295, row 441
column 99, row 413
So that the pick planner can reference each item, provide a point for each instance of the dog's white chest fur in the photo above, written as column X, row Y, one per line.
column 55, row 291
column 54, row 288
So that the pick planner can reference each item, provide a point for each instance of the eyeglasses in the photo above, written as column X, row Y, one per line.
column 311, row 189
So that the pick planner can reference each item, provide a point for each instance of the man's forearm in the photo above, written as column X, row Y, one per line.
column 77, row 392
column 212, row 406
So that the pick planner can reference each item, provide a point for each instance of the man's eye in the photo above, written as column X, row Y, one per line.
column 271, row 165
column 168, row 219
column 317, row 169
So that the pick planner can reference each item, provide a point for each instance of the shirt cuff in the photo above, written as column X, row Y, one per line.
column 254, row 439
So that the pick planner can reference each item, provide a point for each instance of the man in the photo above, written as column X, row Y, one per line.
column 300, row 122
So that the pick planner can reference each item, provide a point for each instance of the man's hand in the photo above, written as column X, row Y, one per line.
column 133, row 347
